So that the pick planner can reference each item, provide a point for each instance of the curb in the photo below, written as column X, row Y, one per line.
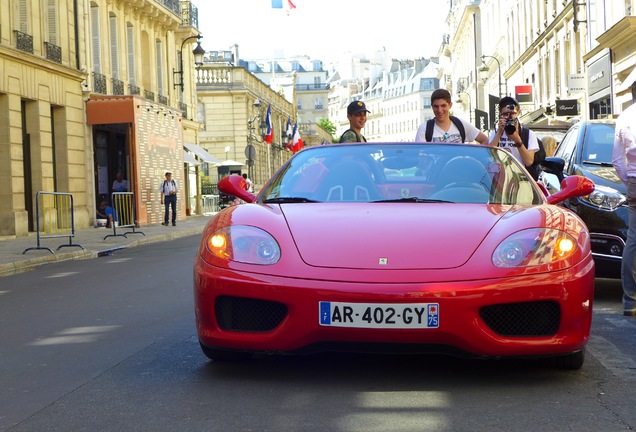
column 23, row 266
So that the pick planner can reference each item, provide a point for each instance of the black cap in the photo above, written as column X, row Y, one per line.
column 356, row 107
column 168, row 172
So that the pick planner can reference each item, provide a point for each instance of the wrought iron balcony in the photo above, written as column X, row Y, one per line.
column 53, row 52
column 184, row 109
column 99, row 83
column 173, row 5
column 118, row 86
column 189, row 15
column 23, row 41
column 149, row 95
column 134, row 89
column 162, row 99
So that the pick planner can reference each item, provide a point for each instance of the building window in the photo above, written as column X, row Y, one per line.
column 159, row 55
column 51, row 22
column 95, row 40
column 130, row 48
column 114, row 51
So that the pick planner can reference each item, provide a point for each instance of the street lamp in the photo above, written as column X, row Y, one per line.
column 250, row 150
column 484, row 68
column 470, row 104
column 198, row 52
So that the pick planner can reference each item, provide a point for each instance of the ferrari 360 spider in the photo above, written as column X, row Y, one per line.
column 397, row 247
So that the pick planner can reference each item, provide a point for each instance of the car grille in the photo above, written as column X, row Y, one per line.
column 538, row 318
column 247, row 314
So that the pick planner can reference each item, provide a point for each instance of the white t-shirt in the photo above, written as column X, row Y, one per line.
column 452, row 136
column 120, row 186
column 507, row 143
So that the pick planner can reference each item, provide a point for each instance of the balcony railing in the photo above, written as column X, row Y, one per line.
column 23, row 41
column 149, row 95
column 308, row 87
column 53, row 52
column 162, row 99
column 189, row 15
column 118, row 86
column 99, row 83
column 134, row 89
column 173, row 5
column 184, row 109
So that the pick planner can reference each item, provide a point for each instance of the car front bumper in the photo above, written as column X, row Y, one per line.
column 532, row 315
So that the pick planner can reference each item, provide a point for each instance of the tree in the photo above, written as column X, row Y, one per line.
column 328, row 127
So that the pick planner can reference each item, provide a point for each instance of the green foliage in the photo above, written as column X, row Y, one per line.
column 328, row 127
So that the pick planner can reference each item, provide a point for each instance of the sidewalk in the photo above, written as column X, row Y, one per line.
column 13, row 260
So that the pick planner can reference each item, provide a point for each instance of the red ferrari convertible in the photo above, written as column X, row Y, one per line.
column 397, row 247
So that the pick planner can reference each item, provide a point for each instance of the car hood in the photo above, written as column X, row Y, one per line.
column 404, row 236
column 602, row 175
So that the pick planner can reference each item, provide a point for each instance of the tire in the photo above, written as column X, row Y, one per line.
column 224, row 355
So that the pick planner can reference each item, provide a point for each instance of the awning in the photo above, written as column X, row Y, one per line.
column 201, row 153
column 229, row 163
column 528, row 119
column 189, row 159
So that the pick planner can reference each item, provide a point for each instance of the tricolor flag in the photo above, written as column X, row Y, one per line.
column 269, row 137
column 290, row 6
column 289, row 132
column 297, row 141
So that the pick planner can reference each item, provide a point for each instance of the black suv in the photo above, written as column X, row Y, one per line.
column 586, row 150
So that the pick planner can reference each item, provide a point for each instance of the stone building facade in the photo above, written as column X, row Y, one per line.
column 78, row 84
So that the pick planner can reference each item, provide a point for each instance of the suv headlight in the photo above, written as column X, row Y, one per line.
column 605, row 198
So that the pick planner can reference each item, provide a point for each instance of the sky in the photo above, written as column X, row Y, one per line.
column 323, row 29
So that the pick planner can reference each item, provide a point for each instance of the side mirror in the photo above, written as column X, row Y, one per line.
column 554, row 165
column 235, row 185
column 572, row 186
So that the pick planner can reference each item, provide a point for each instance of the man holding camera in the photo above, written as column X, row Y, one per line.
column 509, row 133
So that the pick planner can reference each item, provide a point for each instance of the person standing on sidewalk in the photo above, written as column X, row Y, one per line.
column 624, row 161
column 169, row 191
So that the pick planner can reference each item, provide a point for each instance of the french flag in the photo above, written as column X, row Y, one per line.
column 269, row 137
column 289, row 132
column 297, row 141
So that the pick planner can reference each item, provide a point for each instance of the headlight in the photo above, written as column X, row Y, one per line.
column 244, row 244
column 534, row 247
column 604, row 198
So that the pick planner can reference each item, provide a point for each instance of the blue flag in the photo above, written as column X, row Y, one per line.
column 277, row 4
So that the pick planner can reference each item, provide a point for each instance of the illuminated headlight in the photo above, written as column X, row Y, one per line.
column 534, row 247
column 605, row 198
column 244, row 244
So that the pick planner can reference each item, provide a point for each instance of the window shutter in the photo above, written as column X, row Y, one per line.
column 158, row 46
column 114, row 52
column 52, row 21
column 130, row 42
column 95, row 45
column 23, row 12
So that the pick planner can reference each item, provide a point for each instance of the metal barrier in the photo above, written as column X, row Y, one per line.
column 123, row 204
column 54, row 217
column 209, row 204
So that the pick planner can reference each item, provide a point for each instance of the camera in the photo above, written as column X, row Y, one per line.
column 511, row 126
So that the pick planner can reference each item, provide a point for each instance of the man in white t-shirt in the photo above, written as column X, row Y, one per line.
column 509, row 112
column 444, row 127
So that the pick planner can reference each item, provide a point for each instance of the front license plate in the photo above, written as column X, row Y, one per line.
column 379, row 315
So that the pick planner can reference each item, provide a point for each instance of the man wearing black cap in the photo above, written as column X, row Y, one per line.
column 357, row 115
column 169, row 191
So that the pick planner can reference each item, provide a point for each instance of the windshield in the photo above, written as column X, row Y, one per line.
column 409, row 172
column 599, row 144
